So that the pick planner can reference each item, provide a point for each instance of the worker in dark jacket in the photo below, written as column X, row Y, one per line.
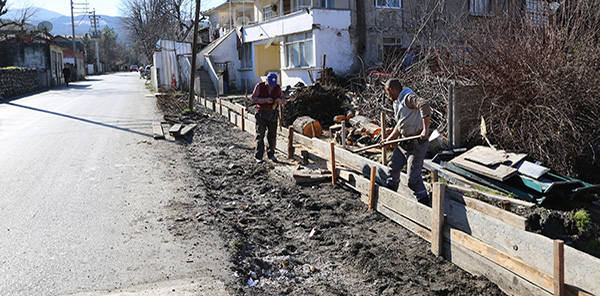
column 412, row 114
column 267, row 96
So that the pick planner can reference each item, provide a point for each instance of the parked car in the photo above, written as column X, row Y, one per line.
column 133, row 68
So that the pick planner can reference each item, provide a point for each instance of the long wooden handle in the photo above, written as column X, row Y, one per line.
column 390, row 142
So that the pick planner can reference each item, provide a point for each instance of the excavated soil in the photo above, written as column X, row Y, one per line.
column 286, row 239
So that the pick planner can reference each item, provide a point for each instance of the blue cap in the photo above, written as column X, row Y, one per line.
column 272, row 79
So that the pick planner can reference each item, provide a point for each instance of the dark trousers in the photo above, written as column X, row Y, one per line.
column 270, row 128
column 410, row 153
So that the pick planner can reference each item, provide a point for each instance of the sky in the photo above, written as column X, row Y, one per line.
column 103, row 7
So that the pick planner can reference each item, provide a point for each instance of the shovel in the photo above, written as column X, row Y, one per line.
column 434, row 135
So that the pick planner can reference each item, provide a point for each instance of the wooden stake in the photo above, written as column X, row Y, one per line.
column 220, row 107
column 382, row 132
column 280, row 118
column 344, row 134
column 304, row 154
column 437, row 218
column 333, row 174
column 372, row 187
column 291, row 142
column 434, row 176
column 243, row 123
column 246, row 95
column 559, row 267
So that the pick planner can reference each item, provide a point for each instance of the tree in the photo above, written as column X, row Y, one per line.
column 17, row 25
column 112, row 53
column 147, row 21
column 3, row 9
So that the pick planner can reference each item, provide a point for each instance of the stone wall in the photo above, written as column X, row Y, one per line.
column 17, row 81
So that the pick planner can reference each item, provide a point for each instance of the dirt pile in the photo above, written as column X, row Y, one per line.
column 286, row 239
column 319, row 102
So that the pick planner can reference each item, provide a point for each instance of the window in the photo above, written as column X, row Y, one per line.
column 246, row 56
column 479, row 7
column 326, row 3
column 537, row 13
column 299, row 50
column 267, row 13
column 388, row 3
column 389, row 46
column 299, row 4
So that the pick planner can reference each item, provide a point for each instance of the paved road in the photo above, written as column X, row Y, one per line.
column 85, row 194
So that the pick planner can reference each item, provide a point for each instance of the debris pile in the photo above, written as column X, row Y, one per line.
column 320, row 103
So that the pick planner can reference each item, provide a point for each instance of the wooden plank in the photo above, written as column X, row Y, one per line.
column 415, row 228
column 559, row 267
column 237, row 108
column 490, row 210
column 516, row 266
column 489, row 156
column 175, row 128
column 514, row 201
column 402, row 202
column 485, row 155
column 500, row 172
column 581, row 270
column 186, row 129
column 157, row 130
column 437, row 218
column 507, row 281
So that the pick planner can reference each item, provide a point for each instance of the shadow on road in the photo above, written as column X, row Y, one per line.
column 77, row 86
column 80, row 119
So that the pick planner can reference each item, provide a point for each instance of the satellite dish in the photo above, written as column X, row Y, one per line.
column 45, row 26
column 30, row 29
column 241, row 21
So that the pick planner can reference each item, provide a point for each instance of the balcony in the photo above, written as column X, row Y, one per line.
column 302, row 20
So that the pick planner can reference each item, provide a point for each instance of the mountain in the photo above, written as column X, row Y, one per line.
column 61, row 24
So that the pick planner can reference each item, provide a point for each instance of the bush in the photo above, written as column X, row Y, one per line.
column 541, row 84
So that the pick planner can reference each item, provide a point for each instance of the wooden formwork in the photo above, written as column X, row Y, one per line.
column 479, row 238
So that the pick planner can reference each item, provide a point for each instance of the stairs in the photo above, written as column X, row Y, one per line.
column 206, row 84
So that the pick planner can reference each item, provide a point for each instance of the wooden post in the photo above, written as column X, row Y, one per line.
column 243, row 123
column 333, row 175
column 437, row 218
column 434, row 176
column 280, row 117
column 246, row 95
column 291, row 142
column 304, row 154
column 382, row 133
column 344, row 134
column 372, row 187
column 559, row 267
column 220, row 107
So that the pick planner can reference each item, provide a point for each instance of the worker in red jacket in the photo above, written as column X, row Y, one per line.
column 267, row 96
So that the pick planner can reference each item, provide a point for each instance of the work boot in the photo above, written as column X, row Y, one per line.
column 425, row 200
column 273, row 158
column 391, row 184
column 259, row 160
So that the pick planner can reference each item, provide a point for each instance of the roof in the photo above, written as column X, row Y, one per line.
column 226, row 5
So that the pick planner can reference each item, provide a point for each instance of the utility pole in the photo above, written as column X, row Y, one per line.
column 194, row 54
column 73, row 29
column 95, row 35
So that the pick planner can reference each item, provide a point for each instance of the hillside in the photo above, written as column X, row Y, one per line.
column 62, row 23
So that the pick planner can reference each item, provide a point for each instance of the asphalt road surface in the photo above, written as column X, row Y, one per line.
column 85, row 193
